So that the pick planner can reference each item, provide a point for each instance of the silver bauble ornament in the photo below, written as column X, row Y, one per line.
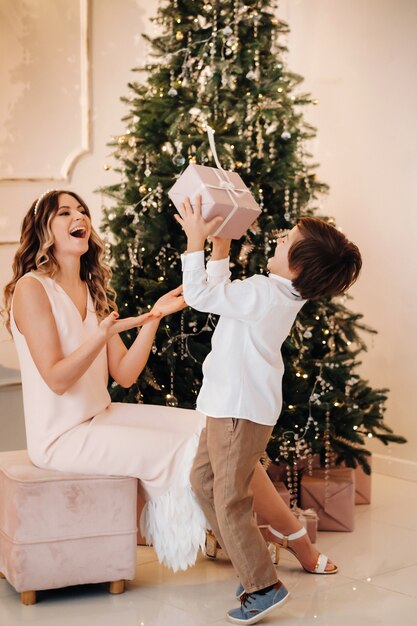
column 178, row 160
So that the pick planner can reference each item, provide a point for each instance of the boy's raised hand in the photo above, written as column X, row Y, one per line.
column 196, row 229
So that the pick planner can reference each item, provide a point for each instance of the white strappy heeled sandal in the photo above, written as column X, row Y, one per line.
column 322, row 561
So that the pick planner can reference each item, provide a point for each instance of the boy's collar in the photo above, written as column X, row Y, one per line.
column 287, row 282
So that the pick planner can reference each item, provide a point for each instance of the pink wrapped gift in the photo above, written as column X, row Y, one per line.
column 308, row 519
column 334, row 502
column 278, row 471
column 362, row 485
column 222, row 193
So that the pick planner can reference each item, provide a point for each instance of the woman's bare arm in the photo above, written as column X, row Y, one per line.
column 126, row 365
column 34, row 319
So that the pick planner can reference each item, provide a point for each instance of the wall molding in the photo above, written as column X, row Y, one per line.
column 75, row 155
column 395, row 467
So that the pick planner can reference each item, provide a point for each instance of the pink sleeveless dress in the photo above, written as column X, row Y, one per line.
column 82, row 431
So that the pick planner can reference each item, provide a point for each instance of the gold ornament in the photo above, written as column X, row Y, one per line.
column 179, row 36
column 143, row 189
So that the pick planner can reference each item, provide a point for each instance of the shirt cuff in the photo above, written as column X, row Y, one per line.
column 193, row 260
column 218, row 268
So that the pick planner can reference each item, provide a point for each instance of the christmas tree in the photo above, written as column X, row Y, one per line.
column 222, row 63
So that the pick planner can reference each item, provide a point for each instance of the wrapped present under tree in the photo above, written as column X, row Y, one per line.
column 331, row 493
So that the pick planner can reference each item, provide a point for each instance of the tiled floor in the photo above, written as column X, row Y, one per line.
column 376, row 585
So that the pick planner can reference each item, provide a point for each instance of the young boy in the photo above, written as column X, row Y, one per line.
column 242, row 375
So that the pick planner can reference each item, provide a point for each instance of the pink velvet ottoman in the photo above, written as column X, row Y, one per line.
column 59, row 529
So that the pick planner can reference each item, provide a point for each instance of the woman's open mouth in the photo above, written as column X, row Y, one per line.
column 80, row 232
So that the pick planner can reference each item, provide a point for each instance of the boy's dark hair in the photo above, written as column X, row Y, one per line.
column 325, row 261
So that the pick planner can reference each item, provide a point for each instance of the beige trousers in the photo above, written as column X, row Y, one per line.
column 228, row 452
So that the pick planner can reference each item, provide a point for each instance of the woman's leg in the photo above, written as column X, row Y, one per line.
column 271, row 509
column 157, row 445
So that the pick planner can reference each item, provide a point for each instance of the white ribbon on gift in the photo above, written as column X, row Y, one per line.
column 224, row 183
column 304, row 514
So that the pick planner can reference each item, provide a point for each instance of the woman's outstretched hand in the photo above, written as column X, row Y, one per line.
column 169, row 303
column 111, row 325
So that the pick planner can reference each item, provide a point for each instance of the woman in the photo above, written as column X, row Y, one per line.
column 64, row 322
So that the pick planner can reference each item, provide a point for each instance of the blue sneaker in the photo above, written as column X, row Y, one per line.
column 254, row 606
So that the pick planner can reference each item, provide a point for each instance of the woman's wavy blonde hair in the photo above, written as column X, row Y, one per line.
column 36, row 253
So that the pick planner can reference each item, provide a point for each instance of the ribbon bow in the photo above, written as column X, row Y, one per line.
column 224, row 183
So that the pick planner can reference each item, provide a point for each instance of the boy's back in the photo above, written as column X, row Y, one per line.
column 242, row 375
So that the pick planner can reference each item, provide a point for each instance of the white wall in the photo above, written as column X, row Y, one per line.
column 359, row 58
column 116, row 46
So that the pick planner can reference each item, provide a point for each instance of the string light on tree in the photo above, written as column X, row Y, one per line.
column 202, row 73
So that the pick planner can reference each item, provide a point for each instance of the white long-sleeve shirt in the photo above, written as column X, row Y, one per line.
column 242, row 375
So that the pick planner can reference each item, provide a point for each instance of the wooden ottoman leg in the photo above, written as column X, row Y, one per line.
column 2, row 575
column 117, row 586
column 28, row 597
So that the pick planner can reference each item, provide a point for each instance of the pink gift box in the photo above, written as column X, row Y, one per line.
column 363, row 487
column 333, row 502
column 222, row 194
column 308, row 519
column 363, row 484
column 278, row 471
